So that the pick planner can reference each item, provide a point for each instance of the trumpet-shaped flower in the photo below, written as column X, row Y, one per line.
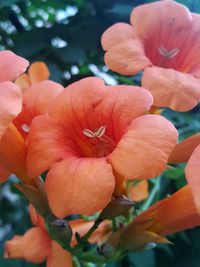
column 94, row 139
column 163, row 41
column 36, row 245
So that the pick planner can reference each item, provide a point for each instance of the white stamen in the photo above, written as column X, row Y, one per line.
column 98, row 133
column 168, row 53
column 25, row 128
column 101, row 131
column 88, row 133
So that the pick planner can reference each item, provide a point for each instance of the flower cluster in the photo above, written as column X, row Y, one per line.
column 89, row 149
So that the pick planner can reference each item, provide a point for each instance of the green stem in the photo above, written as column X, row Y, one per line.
column 76, row 262
column 90, row 232
column 152, row 195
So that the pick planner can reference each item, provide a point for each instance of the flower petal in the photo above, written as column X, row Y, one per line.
column 151, row 20
column 125, row 52
column 103, row 106
column 144, row 150
column 36, row 218
column 172, row 214
column 39, row 96
column 10, row 104
column 36, row 101
column 34, row 246
column 183, row 150
column 11, row 65
column 46, row 145
column 13, row 152
column 192, row 173
column 119, row 32
column 23, row 82
column 170, row 88
column 38, row 72
column 4, row 174
column 59, row 257
column 78, row 185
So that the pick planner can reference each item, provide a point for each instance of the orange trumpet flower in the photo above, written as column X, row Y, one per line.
column 95, row 138
column 163, row 41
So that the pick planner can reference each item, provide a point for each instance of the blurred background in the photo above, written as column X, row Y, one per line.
column 66, row 36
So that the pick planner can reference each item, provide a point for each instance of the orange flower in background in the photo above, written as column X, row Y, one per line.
column 170, row 215
column 37, row 72
column 36, row 246
column 11, row 66
column 139, row 191
column 163, row 41
column 93, row 135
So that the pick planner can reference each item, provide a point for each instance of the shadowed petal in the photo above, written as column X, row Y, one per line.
column 13, row 152
column 144, row 150
column 171, row 88
column 34, row 246
column 79, row 186
column 23, row 82
column 172, row 214
column 11, row 66
column 183, row 150
column 4, row 174
column 10, row 104
column 59, row 257
column 36, row 219
column 192, row 173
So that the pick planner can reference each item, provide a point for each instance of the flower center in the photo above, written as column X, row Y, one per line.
column 101, row 144
column 168, row 53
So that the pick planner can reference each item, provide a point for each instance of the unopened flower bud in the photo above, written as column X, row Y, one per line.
column 106, row 250
column 118, row 206
column 61, row 231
